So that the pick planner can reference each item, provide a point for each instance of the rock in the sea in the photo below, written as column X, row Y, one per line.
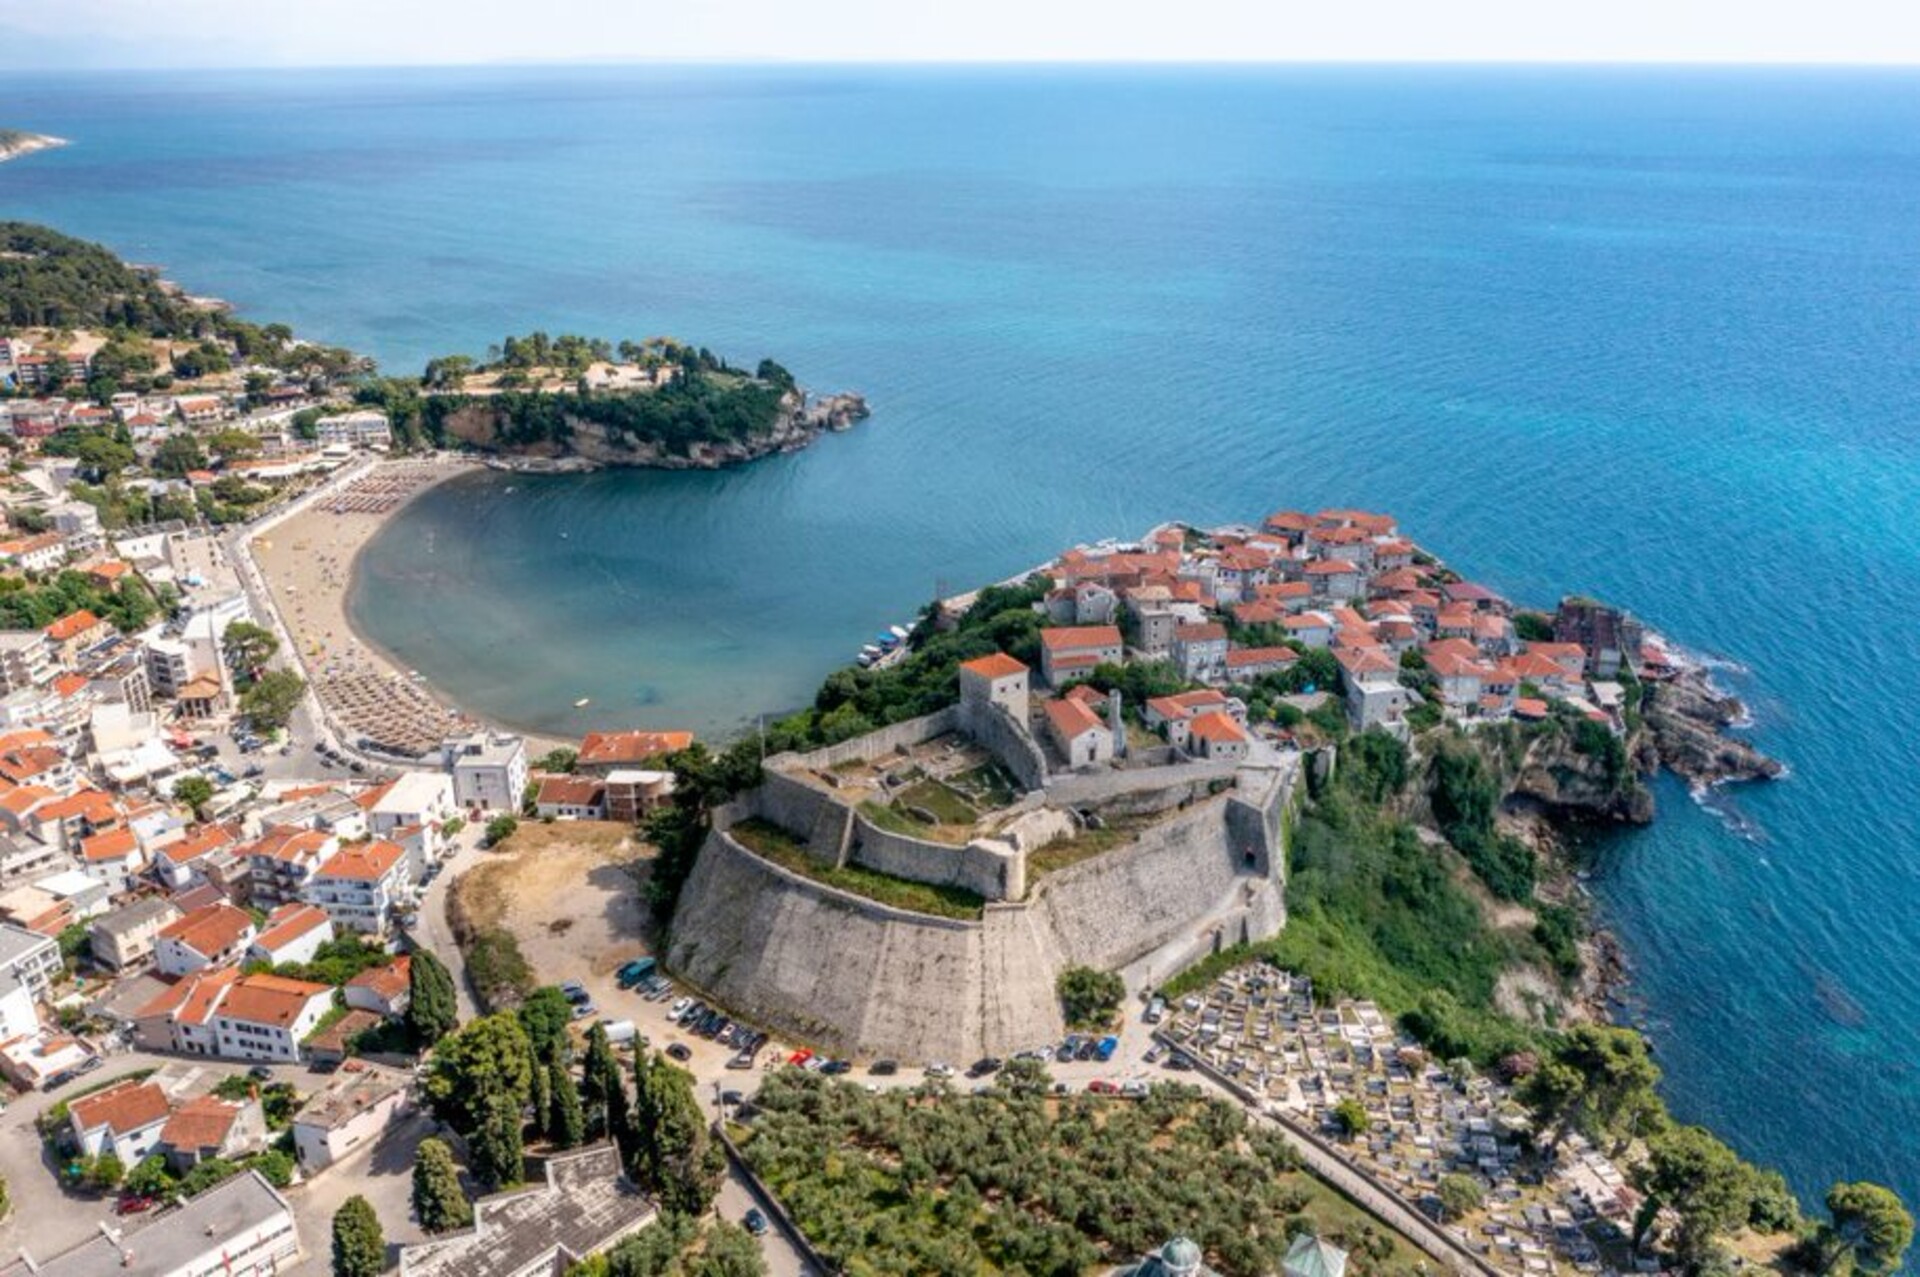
column 1687, row 720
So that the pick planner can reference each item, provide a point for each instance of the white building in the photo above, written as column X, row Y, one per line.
column 360, row 886
column 489, row 770
column 362, row 428
column 239, row 1228
column 211, row 936
column 416, row 798
column 31, row 959
column 358, row 1103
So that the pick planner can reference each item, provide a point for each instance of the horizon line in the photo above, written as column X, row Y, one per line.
column 1493, row 62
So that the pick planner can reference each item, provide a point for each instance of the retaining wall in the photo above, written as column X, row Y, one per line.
column 826, row 822
column 882, row 740
column 989, row 873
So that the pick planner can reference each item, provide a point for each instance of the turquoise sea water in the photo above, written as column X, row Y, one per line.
column 1646, row 333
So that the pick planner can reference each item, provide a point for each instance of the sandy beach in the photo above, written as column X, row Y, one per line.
column 307, row 561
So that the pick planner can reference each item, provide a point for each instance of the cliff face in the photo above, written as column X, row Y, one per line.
column 589, row 444
column 1563, row 782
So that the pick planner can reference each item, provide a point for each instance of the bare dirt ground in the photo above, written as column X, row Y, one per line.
column 570, row 893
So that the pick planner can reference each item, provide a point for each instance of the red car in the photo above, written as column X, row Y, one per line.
column 133, row 1204
column 1100, row 1086
column 799, row 1058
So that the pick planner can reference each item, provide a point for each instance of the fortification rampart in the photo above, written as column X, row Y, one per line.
column 884, row 740
column 857, row 977
column 995, row 731
column 993, row 872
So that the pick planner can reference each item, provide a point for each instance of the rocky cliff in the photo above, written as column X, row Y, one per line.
column 1687, row 722
column 588, row 444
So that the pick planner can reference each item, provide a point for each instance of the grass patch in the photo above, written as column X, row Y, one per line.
column 789, row 853
column 1084, row 845
column 989, row 786
column 942, row 802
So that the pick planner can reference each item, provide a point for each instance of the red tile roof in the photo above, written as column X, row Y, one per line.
column 115, row 844
column 388, row 981
column 289, row 923
column 200, row 1124
column 210, row 930
column 130, row 1106
column 571, row 791
column 369, row 862
column 1217, row 728
column 1067, row 638
column 72, row 624
column 269, row 999
column 1071, row 718
column 993, row 665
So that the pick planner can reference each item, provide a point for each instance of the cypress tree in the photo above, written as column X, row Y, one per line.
column 567, row 1124
column 359, row 1247
column 432, row 1008
column 598, row 1076
column 438, row 1202
column 675, row 1158
column 497, row 1153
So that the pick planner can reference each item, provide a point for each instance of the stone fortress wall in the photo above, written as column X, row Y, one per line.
column 860, row 978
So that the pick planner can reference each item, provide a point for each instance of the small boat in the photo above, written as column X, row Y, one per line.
column 565, row 535
column 583, row 702
column 901, row 632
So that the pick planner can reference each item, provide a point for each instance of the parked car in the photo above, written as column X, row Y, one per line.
column 575, row 991
column 1108, row 1045
column 732, row 1098
column 984, row 1067
column 939, row 1069
column 581, row 1010
column 679, row 1009
column 833, row 1068
column 1135, row 1088
column 1101, row 1086
column 740, row 1061
column 678, row 1051
column 634, row 972
column 618, row 1031
column 133, row 1204
column 1156, row 1011
column 755, row 1222
column 799, row 1058
column 260, row 1073
column 884, row 1068
column 1178, row 1062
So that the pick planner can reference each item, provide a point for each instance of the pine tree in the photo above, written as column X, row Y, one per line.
column 438, row 1202
column 566, row 1124
column 432, row 1008
column 359, row 1247
column 497, row 1154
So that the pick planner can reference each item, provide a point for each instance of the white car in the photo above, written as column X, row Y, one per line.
column 680, row 1008
column 939, row 1070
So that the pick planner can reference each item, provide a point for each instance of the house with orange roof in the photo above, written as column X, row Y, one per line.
column 995, row 679
column 565, row 797
column 1215, row 736
column 1200, row 651
column 1082, row 739
column 1244, row 664
column 180, row 1017
column 281, row 861
column 383, row 990
column 1396, row 581
column 1570, row 657
column 1172, row 716
column 67, row 821
column 362, row 886
column 207, row 1127
column 204, row 853
column 1459, row 672
column 32, row 1060
column 601, row 752
column 294, row 933
column 41, row 552
column 1335, row 578
column 1370, row 678
column 214, row 935
column 1311, row 629
column 123, row 1120
column 74, row 633
column 1072, row 651
column 112, row 857
column 264, row 1017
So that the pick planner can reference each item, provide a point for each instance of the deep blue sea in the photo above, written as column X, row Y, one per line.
column 1651, row 334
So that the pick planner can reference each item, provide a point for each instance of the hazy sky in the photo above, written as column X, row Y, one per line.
column 35, row 33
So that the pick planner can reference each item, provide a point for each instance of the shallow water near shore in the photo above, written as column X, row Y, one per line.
column 1643, row 333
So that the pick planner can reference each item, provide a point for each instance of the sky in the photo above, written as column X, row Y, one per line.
column 35, row 34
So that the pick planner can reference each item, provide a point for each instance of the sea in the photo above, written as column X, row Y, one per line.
column 1652, row 334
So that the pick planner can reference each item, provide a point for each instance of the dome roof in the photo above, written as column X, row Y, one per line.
column 1180, row 1257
